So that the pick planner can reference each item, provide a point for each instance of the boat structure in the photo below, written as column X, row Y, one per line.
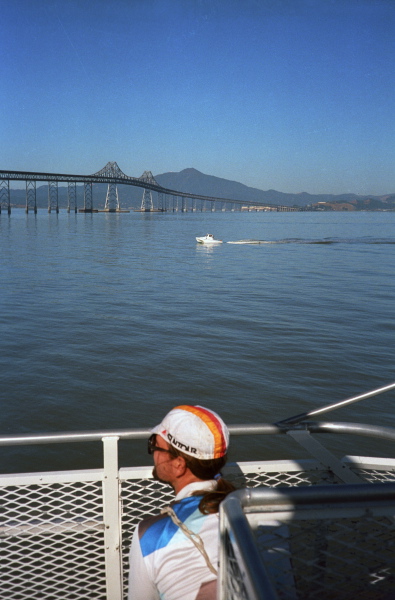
column 317, row 524
column 208, row 239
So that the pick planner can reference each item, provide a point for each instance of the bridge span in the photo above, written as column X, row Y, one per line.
column 111, row 174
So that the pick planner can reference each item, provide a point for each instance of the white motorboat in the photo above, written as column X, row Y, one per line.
column 208, row 239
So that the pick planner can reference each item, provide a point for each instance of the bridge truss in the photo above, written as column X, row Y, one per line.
column 111, row 174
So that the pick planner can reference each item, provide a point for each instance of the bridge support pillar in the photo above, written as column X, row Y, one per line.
column 31, row 201
column 112, row 199
column 5, row 195
column 146, row 203
column 71, row 196
column 53, row 196
column 161, row 202
column 88, row 197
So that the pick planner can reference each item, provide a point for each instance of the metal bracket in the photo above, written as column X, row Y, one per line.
column 326, row 458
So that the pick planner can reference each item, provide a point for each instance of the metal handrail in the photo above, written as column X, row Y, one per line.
column 237, row 505
column 119, row 499
column 253, row 498
column 255, row 577
column 363, row 429
column 72, row 436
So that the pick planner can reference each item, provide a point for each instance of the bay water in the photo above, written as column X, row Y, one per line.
column 107, row 321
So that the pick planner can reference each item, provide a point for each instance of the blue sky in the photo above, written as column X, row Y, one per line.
column 292, row 95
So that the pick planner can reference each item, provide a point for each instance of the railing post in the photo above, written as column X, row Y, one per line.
column 112, row 519
column 222, row 585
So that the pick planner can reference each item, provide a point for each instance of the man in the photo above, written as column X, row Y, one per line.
column 174, row 555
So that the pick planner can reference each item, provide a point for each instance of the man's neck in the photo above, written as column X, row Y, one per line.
column 181, row 482
column 196, row 487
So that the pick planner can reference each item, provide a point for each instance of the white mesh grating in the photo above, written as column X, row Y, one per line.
column 140, row 498
column 52, row 532
column 235, row 588
column 373, row 476
column 340, row 558
column 52, row 542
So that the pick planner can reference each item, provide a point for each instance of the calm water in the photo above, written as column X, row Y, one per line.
column 108, row 321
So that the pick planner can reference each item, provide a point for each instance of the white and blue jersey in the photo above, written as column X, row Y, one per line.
column 164, row 562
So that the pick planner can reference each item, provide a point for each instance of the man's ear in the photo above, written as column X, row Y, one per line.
column 180, row 465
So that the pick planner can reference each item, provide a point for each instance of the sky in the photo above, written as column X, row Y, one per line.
column 291, row 95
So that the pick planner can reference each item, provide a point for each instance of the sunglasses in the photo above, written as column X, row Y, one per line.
column 153, row 448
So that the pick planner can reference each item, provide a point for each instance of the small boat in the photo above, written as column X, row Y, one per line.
column 208, row 239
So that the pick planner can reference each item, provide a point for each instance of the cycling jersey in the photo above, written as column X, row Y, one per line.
column 164, row 562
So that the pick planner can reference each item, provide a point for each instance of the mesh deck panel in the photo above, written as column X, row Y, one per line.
column 52, row 527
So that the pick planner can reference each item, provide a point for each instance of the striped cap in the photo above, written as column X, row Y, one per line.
column 196, row 431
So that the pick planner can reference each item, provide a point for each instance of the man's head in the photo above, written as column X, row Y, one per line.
column 190, row 444
column 195, row 431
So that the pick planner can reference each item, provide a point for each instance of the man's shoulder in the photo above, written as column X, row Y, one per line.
column 183, row 508
column 148, row 522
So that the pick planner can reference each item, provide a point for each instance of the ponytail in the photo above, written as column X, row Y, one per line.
column 205, row 470
column 211, row 500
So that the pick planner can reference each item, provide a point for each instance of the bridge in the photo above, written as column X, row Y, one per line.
column 112, row 175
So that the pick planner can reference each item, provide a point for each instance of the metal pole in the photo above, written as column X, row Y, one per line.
column 252, row 570
column 112, row 519
column 318, row 411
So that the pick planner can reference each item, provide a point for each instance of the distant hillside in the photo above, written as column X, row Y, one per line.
column 358, row 203
column 191, row 180
column 195, row 182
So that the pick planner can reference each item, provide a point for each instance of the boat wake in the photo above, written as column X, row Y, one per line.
column 253, row 242
column 325, row 241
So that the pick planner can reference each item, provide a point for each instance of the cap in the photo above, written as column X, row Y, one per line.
column 196, row 431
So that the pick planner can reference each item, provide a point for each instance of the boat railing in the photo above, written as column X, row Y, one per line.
column 66, row 534
column 308, row 542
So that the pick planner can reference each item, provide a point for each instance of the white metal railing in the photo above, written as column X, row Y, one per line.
column 312, row 542
column 66, row 534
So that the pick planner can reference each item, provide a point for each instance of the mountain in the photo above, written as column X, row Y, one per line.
column 193, row 181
